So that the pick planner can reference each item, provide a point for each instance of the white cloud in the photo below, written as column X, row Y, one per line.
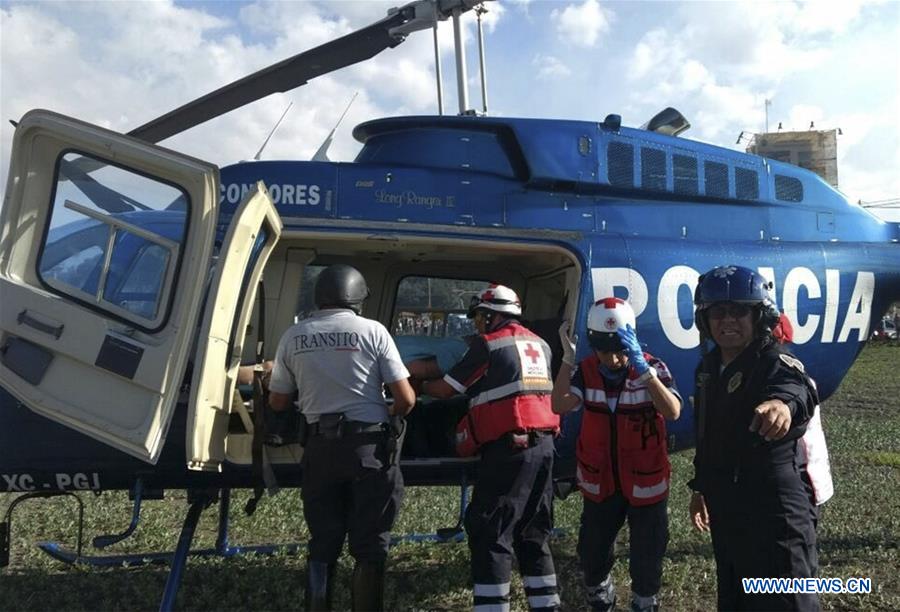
column 694, row 75
column 650, row 51
column 549, row 67
column 120, row 64
column 582, row 24
column 825, row 16
column 721, row 60
column 868, row 150
column 802, row 115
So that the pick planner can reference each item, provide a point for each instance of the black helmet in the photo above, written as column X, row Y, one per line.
column 342, row 286
column 740, row 285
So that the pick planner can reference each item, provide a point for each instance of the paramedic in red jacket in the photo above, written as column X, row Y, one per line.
column 506, row 374
column 623, row 464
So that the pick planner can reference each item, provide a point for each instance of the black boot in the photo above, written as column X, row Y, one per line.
column 602, row 597
column 368, row 586
column 319, row 582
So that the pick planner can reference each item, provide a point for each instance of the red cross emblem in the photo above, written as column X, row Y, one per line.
column 611, row 323
column 530, row 351
column 610, row 303
column 487, row 295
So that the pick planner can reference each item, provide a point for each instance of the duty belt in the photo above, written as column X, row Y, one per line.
column 347, row 428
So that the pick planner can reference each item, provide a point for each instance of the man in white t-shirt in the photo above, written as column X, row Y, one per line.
column 338, row 363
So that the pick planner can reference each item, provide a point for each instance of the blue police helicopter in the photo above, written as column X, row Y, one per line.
column 137, row 281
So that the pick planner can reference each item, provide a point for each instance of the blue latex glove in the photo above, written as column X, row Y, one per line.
column 633, row 349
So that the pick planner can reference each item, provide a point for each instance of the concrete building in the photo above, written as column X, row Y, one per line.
column 814, row 150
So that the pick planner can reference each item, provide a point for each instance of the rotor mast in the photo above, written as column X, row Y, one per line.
column 462, row 83
column 459, row 43
column 479, row 11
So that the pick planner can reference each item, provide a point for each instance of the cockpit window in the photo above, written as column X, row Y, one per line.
column 114, row 238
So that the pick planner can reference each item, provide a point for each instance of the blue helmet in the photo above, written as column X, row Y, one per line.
column 735, row 284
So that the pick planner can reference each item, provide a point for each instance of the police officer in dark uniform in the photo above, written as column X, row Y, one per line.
column 506, row 374
column 338, row 362
column 753, row 401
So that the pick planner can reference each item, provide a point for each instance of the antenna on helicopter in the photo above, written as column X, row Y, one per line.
column 266, row 141
column 321, row 154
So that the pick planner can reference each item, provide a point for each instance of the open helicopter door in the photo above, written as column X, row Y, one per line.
column 252, row 235
column 105, row 246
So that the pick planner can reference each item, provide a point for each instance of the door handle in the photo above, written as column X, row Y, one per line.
column 54, row 330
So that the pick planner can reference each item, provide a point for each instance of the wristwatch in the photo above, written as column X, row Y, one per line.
column 650, row 373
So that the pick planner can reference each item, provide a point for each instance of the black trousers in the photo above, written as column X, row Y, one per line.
column 350, row 489
column 763, row 526
column 649, row 531
column 511, row 513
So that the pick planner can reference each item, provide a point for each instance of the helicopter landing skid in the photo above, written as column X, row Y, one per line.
column 199, row 500
column 221, row 549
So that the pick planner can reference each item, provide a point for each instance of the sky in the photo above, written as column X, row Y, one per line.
column 122, row 63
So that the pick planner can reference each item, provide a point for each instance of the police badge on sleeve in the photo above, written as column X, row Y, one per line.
column 792, row 362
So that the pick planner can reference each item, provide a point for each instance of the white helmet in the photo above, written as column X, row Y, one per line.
column 497, row 298
column 605, row 317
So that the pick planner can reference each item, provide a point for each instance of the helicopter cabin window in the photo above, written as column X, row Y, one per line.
column 653, row 169
column 684, row 169
column 746, row 184
column 788, row 188
column 620, row 164
column 451, row 149
column 716, row 179
column 436, row 307
column 112, row 242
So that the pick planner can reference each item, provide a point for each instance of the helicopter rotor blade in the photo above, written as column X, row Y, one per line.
column 283, row 76
column 298, row 70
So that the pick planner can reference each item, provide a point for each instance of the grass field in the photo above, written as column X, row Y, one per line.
column 859, row 534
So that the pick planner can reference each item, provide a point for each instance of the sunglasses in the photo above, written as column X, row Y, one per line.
column 734, row 311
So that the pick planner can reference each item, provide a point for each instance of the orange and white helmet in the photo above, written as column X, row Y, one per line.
column 497, row 298
column 605, row 318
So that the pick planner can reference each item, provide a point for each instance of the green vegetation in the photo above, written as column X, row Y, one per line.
column 859, row 534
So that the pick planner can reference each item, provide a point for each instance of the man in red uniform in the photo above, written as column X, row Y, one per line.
column 623, row 464
column 506, row 374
